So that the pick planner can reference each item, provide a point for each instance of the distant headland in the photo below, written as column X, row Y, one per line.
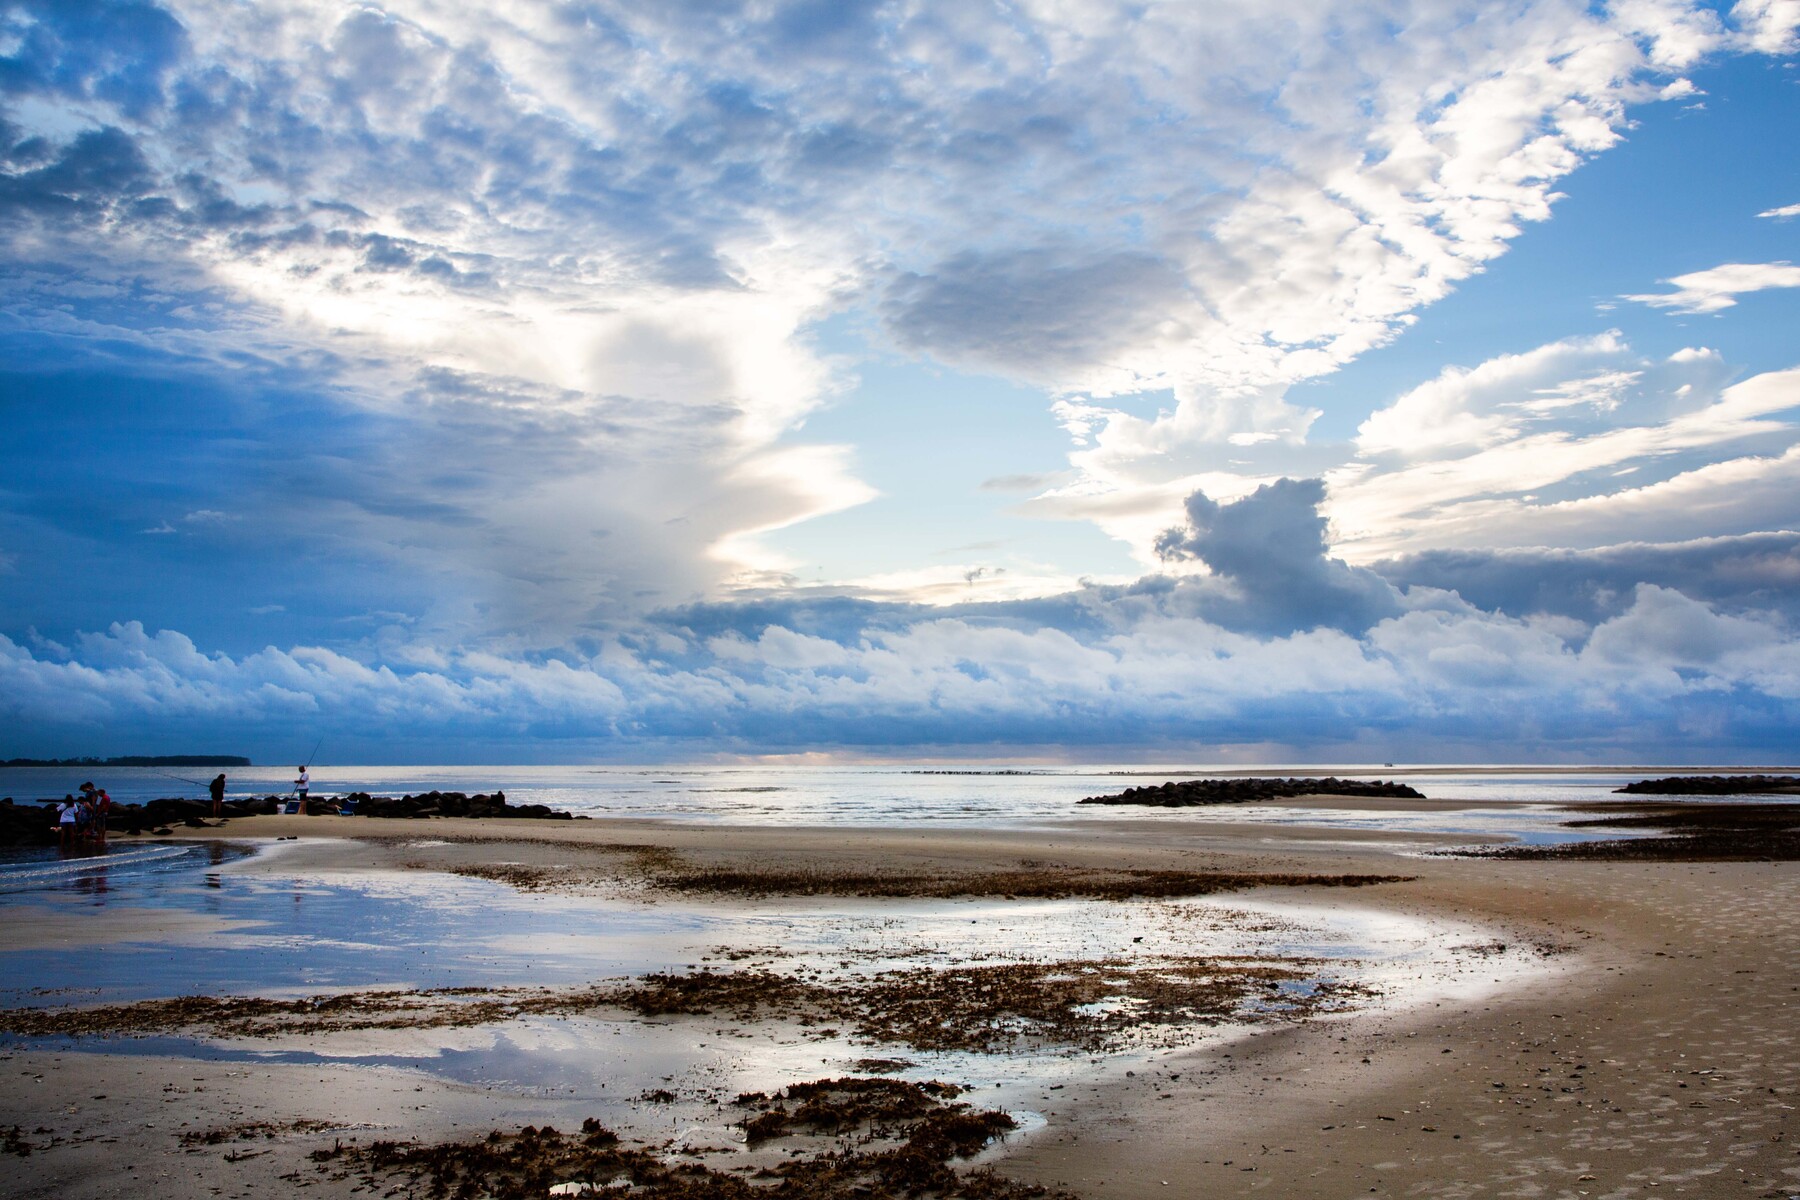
column 135, row 760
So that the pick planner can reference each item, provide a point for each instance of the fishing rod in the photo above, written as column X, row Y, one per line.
column 315, row 751
column 182, row 778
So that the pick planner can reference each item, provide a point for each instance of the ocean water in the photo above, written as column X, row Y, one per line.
column 996, row 796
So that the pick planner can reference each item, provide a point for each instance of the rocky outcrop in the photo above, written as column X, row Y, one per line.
column 1192, row 793
column 35, row 823
column 1715, row 785
column 450, row 804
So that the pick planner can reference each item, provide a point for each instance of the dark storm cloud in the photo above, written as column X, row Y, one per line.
column 1029, row 310
column 97, row 169
column 92, row 49
column 1270, row 547
column 1755, row 572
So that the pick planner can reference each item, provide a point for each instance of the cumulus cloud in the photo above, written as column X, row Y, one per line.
column 1464, row 410
column 1718, row 288
column 1755, row 572
column 1769, row 26
column 1136, row 673
column 627, row 221
column 1270, row 548
column 485, row 334
column 1580, row 443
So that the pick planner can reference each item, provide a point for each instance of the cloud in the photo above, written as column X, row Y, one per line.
column 1021, row 483
column 1128, row 670
column 629, row 222
column 1580, row 443
column 1749, row 572
column 1782, row 213
column 1270, row 548
column 1464, row 410
column 1718, row 288
column 1769, row 26
column 493, row 331
column 1040, row 312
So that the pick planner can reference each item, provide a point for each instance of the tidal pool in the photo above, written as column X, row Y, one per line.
column 173, row 919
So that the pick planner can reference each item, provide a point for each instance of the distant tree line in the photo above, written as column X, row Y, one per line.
column 135, row 760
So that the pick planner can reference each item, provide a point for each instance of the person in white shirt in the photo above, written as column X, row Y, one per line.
column 67, row 816
column 300, row 788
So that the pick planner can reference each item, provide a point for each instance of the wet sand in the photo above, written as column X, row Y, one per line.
column 1665, row 1062
column 1658, row 1055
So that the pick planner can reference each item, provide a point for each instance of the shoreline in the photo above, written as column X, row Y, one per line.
column 1664, row 959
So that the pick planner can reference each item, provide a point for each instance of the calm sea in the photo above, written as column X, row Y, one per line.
column 994, row 797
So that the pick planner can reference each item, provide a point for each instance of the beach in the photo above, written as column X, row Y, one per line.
column 1545, row 1028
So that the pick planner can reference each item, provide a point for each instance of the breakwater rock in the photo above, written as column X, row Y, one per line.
column 34, row 823
column 1192, row 793
column 450, row 804
column 1715, row 785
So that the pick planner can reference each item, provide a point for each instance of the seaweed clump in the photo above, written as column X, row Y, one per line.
column 830, row 1106
column 1086, row 1003
column 1039, row 884
column 1715, row 785
column 915, row 1137
column 1691, row 832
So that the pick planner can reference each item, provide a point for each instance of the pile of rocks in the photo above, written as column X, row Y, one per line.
column 450, row 804
column 35, row 823
column 1715, row 785
column 1190, row 793
column 25, row 824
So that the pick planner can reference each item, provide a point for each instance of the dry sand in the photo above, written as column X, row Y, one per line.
column 1662, row 1061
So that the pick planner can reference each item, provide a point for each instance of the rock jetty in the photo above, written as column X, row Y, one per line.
column 1192, row 793
column 1715, row 785
column 35, row 823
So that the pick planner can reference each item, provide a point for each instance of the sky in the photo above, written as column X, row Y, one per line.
column 1384, row 380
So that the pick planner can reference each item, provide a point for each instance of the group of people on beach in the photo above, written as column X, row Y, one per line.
column 82, row 820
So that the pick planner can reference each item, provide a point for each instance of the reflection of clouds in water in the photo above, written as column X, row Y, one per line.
column 43, row 868
column 606, row 1063
column 374, row 1043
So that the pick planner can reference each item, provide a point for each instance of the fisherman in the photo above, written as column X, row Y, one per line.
column 217, row 788
column 300, row 788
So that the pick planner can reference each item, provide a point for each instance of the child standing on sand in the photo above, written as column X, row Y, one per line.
column 67, row 821
column 84, row 812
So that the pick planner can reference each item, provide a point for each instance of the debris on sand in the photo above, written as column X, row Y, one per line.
column 251, row 1131
column 1692, row 832
column 831, row 1106
column 914, row 1136
column 1037, row 884
column 1193, row 793
column 1090, row 1004
column 1715, row 785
